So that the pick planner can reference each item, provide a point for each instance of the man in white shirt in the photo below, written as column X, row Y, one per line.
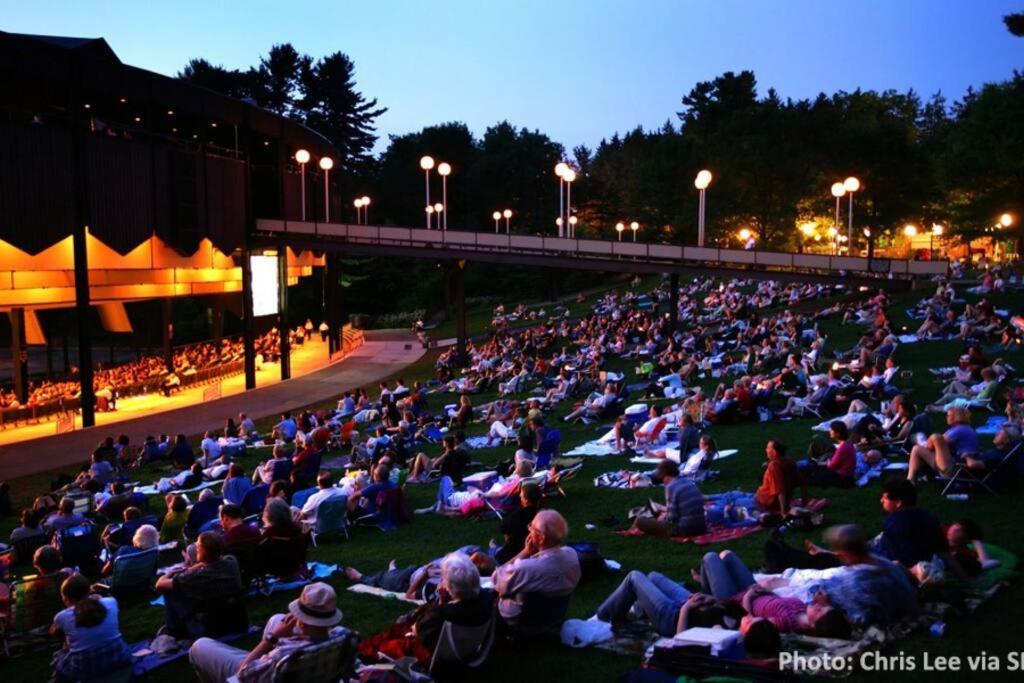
column 210, row 448
column 326, row 491
column 246, row 426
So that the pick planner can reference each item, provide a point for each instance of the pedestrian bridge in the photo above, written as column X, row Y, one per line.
column 592, row 254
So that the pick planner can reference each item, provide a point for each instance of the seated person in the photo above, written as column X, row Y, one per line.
column 181, row 455
column 459, row 600
column 838, row 468
column 188, row 590
column 144, row 538
column 93, row 646
column 30, row 525
column 325, row 491
column 942, row 451
column 265, row 471
column 545, row 567
column 120, row 498
column 452, row 462
column 283, row 543
column 780, row 480
column 418, row 582
column 312, row 618
column 909, row 534
column 236, row 485
column 595, row 405
column 64, row 518
column 364, row 501
column 240, row 539
column 37, row 599
column 684, row 506
column 515, row 525
column 173, row 526
column 982, row 391
column 1007, row 438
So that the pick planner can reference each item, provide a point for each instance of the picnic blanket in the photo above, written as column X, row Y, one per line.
column 152, row 490
column 381, row 593
column 673, row 455
column 145, row 659
column 717, row 534
column 317, row 571
column 992, row 425
column 593, row 449
column 480, row 442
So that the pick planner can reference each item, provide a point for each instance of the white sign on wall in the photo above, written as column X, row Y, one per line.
column 264, row 285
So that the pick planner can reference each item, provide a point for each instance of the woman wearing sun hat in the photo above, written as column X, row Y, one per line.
column 314, row 617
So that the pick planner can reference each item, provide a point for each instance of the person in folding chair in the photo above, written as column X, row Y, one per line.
column 942, row 452
column 992, row 467
column 312, row 618
column 544, row 573
column 459, row 601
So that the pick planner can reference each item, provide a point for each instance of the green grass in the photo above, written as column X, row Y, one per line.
column 430, row 536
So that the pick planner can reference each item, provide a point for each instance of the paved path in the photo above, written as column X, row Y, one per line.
column 370, row 363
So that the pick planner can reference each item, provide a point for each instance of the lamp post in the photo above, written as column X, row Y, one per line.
column 302, row 156
column 497, row 217
column 430, row 212
column 444, row 169
column 838, row 190
column 507, row 213
column 439, row 210
column 569, row 177
column 560, row 168
column 701, row 182
column 358, row 203
column 634, row 226
column 572, row 226
column 744, row 235
column 851, row 185
column 327, row 163
column 366, row 209
column 559, row 222
column 619, row 227
column 833, row 232
column 427, row 163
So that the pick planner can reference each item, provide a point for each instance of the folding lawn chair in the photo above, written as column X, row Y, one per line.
column 133, row 573
column 462, row 647
column 330, row 518
column 965, row 476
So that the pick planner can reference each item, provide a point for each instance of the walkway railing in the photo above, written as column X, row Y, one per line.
column 560, row 247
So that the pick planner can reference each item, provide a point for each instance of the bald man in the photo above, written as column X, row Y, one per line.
column 545, row 566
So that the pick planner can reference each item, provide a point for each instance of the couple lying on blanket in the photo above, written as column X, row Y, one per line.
column 865, row 589
column 473, row 501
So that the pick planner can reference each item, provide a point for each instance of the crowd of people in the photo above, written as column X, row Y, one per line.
column 744, row 352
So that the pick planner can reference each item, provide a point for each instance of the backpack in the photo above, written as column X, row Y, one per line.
column 592, row 563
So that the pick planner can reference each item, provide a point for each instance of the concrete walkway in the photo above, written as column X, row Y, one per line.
column 372, row 362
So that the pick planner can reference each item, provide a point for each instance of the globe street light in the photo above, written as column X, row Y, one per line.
column 358, row 203
column 497, row 217
column 560, row 168
column 832, row 233
column 1006, row 220
column 701, row 182
column 634, row 226
column 572, row 226
column 366, row 205
column 327, row 163
column 427, row 163
column 302, row 156
column 444, row 169
column 619, row 227
column 558, row 223
column 430, row 212
column 937, row 231
column 851, row 185
column 569, row 176
column 507, row 213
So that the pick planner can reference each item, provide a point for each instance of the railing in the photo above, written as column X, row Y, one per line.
column 604, row 249
column 351, row 339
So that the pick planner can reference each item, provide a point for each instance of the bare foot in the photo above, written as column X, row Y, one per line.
column 352, row 574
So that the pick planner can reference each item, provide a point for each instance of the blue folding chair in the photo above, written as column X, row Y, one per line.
column 255, row 499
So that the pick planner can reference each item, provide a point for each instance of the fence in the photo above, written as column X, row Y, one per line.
column 351, row 339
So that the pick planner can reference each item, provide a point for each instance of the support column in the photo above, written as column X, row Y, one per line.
column 168, row 333
column 282, row 308
column 83, row 213
column 19, row 355
column 332, row 273
column 673, row 302
column 82, row 312
column 459, row 273
column 248, row 335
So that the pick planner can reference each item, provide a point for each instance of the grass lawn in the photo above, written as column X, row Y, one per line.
column 430, row 536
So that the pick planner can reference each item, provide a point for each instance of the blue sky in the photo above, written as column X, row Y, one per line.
column 578, row 70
